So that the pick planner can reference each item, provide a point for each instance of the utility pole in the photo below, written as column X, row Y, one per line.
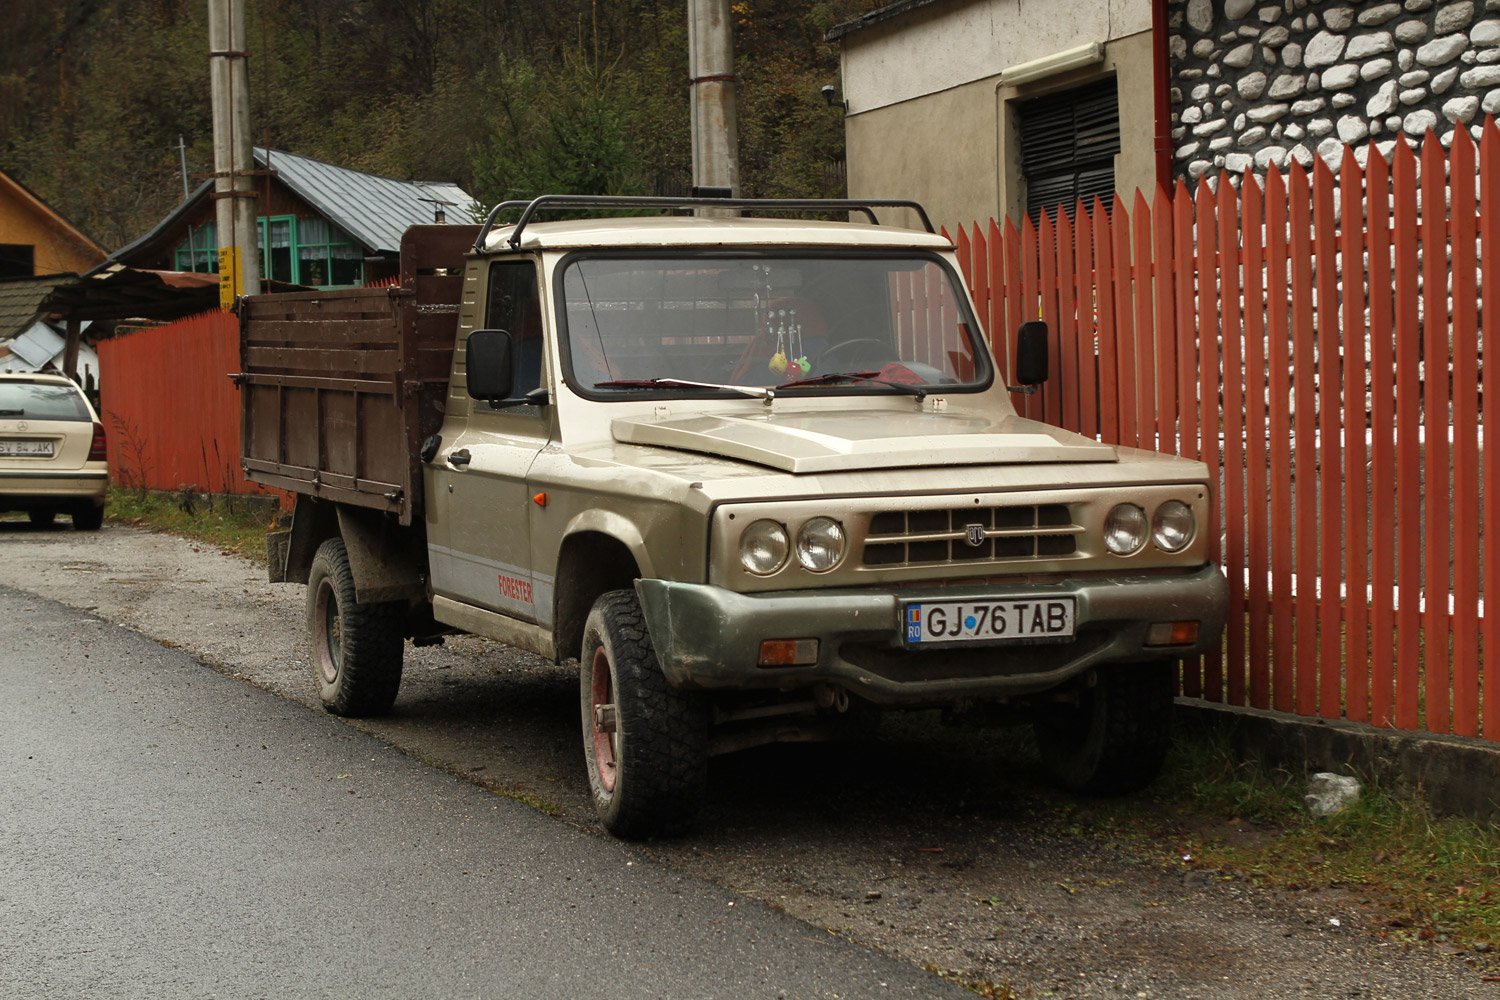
column 234, row 162
column 716, row 144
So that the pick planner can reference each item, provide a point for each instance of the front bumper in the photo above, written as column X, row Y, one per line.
column 708, row 638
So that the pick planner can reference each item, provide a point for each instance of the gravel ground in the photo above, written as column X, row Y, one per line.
column 946, row 857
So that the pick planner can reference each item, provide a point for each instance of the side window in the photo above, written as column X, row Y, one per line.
column 516, row 308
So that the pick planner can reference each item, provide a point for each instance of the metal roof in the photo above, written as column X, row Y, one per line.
column 374, row 210
column 21, row 300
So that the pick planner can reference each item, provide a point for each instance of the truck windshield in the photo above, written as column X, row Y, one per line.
column 638, row 323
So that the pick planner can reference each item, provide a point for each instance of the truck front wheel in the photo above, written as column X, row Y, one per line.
column 356, row 648
column 1115, row 739
column 645, row 744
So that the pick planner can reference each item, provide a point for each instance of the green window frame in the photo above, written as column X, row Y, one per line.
column 200, row 251
column 279, row 233
column 327, row 257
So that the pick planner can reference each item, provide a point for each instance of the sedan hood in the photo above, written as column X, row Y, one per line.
column 824, row 441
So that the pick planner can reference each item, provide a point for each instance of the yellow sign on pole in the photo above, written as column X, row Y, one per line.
column 230, row 280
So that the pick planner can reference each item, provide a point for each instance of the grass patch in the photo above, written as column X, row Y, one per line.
column 236, row 525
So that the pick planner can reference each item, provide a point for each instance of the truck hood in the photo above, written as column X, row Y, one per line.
column 823, row 441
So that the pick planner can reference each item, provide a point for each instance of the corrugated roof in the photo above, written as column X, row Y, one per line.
column 374, row 210
column 21, row 300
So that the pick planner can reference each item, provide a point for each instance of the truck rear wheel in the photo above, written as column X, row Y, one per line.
column 645, row 744
column 1116, row 738
column 356, row 648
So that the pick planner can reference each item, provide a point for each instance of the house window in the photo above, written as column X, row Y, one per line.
column 200, row 251
column 1069, row 141
column 327, row 256
column 279, row 233
column 17, row 260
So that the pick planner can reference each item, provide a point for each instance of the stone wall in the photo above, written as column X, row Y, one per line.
column 1261, row 82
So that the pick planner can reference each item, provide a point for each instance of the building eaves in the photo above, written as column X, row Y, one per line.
column 873, row 17
column 41, row 205
column 21, row 300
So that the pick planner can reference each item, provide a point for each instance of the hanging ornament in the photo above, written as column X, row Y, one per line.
column 804, row 365
column 778, row 362
column 794, row 369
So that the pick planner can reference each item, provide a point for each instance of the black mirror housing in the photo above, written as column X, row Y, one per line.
column 1031, row 353
column 488, row 365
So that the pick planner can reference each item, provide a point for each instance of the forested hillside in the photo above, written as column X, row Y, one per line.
column 507, row 97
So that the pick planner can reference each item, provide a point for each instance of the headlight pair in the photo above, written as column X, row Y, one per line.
column 765, row 545
column 1172, row 527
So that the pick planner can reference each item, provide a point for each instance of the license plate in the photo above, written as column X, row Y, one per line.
column 28, row 449
column 1010, row 620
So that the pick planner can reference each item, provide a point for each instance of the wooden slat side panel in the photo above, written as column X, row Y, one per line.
column 1330, row 530
column 1208, row 409
column 1229, row 506
column 1356, row 495
column 1466, row 488
column 1408, row 525
column 1382, row 452
column 1436, row 513
column 1279, row 364
column 1305, row 445
column 1257, row 527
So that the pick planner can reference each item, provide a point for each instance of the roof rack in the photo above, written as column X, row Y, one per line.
column 530, row 208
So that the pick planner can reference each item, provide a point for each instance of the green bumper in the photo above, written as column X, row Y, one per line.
column 708, row 638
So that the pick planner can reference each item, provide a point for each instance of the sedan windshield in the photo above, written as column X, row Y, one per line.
column 703, row 324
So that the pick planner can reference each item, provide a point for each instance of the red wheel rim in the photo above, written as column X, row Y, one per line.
column 604, row 743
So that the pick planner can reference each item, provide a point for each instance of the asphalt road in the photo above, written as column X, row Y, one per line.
column 167, row 831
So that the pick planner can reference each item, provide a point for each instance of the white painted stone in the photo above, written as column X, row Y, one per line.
column 1442, row 81
column 1415, row 78
column 1192, row 115
column 1453, row 17
column 1239, row 122
column 1240, row 56
column 1352, row 128
column 1294, row 132
column 1301, row 154
column 1276, row 131
column 1376, row 127
column 1268, row 55
column 1373, row 70
column 1340, row 77
column 1324, row 49
column 1297, row 24
column 1373, row 44
column 1236, row 9
column 1468, row 57
column 1269, row 157
column 1320, row 126
column 1371, row 16
column 1203, row 48
column 1226, row 106
column 1405, row 58
column 1344, row 100
column 1382, row 101
column 1418, row 5
column 1251, row 85
column 1442, row 50
column 1248, row 32
column 1312, row 22
column 1292, row 54
column 1253, row 136
column 1338, row 18
column 1209, row 128
column 1265, row 113
column 1229, row 37
column 1331, row 151
column 1198, row 168
column 1187, row 151
column 1200, row 15
column 1418, row 122
column 1238, row 163
column 1486, row 33
column 1491, row 104
column 1411, row 32
column 1213, row 72
column 1487, row 56
column 1393, row 122
column 1177, row 47
column 1461, row 109
column 1275, row 36
column 1201, row 91
column 1222, row 143
column 1189, row 74
column 1269, row 14
column 1311, row 106
column 1179, row 133
column 1413, row 96
column 1329, row 793
column 1286, row 85
column 1480, row 77
column 1223, row 89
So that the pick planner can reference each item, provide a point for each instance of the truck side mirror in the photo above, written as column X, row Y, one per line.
column 488, row 367
column 1031, row 357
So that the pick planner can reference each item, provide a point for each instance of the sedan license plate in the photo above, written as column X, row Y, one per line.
column 11, row 448
column 1012, row 619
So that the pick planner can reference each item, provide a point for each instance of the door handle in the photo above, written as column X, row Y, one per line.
column 459, row 459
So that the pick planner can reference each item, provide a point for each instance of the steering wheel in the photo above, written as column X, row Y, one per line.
column 844, row 345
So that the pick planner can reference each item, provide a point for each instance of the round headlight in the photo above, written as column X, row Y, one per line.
column 1125, row 529
column 820, row 544
column 763, row 547
column 1173, row 526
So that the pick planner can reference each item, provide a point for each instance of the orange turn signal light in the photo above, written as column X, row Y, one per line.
column 788, row 652
column 540, row 499
column 1172, row 634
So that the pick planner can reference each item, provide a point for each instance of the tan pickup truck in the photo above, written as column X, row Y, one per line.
column 758, row 476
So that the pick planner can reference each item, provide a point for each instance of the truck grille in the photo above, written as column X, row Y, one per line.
column 935, row 537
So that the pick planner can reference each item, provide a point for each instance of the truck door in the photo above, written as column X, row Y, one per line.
column 479, row 542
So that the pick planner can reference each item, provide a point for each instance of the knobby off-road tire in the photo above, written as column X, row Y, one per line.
column 356, row 649
column 88, row 518
column 1115, row 740
column 648, row 777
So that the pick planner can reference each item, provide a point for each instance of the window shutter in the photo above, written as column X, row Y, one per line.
column 1068, row 145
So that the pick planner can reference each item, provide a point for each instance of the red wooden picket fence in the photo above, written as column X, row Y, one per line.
column 171, row 413
column 1300, row 336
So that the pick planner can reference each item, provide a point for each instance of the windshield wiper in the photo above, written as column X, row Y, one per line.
column 755, row 391
column 12, row 413
column 832, row 377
